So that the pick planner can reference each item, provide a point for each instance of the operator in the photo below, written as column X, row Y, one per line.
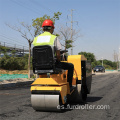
column 47, row 38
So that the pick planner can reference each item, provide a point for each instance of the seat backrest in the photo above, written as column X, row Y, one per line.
column 43, row 59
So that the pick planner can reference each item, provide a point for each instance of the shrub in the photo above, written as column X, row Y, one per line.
column 13, row 63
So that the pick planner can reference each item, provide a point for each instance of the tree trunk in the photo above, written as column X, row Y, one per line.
column 29, row 58
column 65, row 44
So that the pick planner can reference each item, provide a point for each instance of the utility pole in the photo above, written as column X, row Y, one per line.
column 102, row 61
column 116, row 59
column 119, row 58
column 72, row 30
column 114, row 56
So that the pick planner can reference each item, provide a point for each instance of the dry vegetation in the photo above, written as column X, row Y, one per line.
column 2, row 71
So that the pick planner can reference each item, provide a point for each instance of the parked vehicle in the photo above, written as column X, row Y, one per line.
column 99, row 68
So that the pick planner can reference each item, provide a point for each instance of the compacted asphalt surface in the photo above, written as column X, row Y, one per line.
column 102, row 104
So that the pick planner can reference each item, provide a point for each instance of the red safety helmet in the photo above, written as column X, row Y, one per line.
column 48, row 23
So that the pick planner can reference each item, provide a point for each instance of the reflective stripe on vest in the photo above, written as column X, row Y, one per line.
column 44, row 39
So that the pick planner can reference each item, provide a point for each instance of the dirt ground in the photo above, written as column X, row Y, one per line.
column 13, row 71
column 16, row 80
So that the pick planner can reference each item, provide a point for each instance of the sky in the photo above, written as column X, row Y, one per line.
column 97, row 20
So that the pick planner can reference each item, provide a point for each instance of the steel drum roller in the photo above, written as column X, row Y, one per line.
column 45, row 102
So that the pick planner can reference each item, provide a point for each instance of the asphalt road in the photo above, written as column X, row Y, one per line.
column 105, row 97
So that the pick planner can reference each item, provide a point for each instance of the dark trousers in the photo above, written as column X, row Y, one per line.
column 69, row 67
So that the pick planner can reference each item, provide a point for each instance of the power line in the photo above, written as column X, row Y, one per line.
column 4, row 37
column 33, row 10
column 12, row 43
column 46, row 8
column 36, row 3
column 7, row 44
column 3, row 43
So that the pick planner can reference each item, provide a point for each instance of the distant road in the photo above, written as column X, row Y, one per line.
column 15, row 103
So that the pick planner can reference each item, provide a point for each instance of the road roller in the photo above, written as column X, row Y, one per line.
column 51, row 89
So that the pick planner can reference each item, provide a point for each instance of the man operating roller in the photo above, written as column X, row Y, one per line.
column 47, row 38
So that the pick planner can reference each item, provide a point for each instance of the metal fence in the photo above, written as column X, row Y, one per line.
column 18, row 48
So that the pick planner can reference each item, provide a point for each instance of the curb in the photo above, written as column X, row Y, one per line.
column 15, row 85
column 99, row 73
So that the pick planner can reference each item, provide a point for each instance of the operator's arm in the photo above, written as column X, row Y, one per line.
column 58, row 48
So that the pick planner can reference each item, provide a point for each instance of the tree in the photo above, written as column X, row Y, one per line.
column 96, row 63
column 88, row 55
column 28, row 29
column 3, row 50
column 65, row 35
column 109, row 64
column 13, row 53
column 37, row 23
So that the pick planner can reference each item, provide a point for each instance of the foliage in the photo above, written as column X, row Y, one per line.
column 3, row 50
column 12, row 63
column 21, row 63
column 13, row 53
column 106, row 63
column 68, row 44
column 37, row 23
column 109, row 64
column 88, row 55
column 65, row 36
